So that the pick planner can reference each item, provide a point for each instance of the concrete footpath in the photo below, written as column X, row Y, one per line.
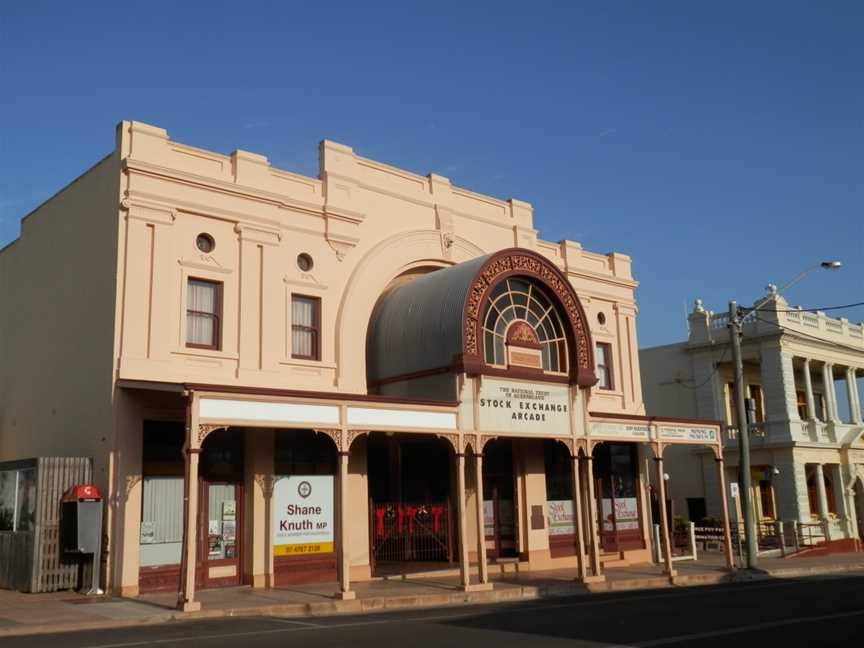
column 22, row 614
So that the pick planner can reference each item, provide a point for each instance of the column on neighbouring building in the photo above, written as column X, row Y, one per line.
column 778, row 383
column 852, row 394
column 808, row 391
column 850, row 473
column 821, row 493
column 858, row 396
column 787, row 496
column 830, row 394
column 797, row 484
column 845, row 507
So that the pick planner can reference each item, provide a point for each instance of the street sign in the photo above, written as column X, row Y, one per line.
column 733, row 489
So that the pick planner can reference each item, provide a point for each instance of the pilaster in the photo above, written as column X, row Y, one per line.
column 830, row 392
column 852, row 395
column 808, row 386
column 778, row 383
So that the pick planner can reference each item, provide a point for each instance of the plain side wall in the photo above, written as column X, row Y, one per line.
column 57, row 292
column 667, row 386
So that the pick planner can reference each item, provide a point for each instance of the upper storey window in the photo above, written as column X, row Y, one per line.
column 203, row 313
column 603, row 365
column 305, row 327
column 523, row 328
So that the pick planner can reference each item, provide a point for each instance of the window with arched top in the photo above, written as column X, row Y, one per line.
column 522, row 327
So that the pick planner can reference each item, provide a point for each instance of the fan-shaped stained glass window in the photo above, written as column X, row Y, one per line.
column 512, row 302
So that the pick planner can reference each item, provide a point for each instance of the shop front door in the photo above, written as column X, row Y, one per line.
column 499, row 508
column 221, row 534
column 499, row 521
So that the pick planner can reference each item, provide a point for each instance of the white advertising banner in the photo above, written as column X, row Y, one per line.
column 511, row 406
column 303, row 515
column 626, row 514
column 634, row 431
column 561, row 517
column 695, row 434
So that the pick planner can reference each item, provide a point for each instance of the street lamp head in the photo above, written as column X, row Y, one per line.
column 832, row 265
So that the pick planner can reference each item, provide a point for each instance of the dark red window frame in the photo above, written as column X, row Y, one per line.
column 216, row 342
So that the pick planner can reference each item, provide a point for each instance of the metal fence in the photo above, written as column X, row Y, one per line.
column 404, row 532
column 30, row 557
column 783, row 537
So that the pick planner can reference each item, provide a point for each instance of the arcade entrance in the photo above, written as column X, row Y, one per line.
column 412, row 516
column 499, row 508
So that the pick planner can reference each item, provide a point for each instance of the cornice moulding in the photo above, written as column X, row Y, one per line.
column 231, row 188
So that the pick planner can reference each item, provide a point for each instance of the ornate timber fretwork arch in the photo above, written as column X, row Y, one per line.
column 454, row 441
column 205, row 429
column 335, row 434
column 518, row 261
column 567, row 443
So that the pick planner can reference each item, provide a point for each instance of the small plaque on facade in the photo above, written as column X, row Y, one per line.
column 521, row 357
column 636, row 431
column 694, row 434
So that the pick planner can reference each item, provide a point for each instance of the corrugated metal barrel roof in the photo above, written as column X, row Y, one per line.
column 418, row 326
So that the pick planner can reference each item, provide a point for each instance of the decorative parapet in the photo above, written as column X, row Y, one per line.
column 822, row 326
column 776, row 313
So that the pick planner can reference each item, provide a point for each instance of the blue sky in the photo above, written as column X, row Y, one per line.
column 721, row 145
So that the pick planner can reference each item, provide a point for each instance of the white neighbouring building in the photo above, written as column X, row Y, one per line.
column 805, row 370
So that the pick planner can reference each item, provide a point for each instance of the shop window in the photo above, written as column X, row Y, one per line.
column 305, row 327
column 616, row 470
column 303, row 452
column 18, row 499
column 559, row 488
column 603, row 364
column 161, row 493
column 559, row 470
column 203, row 314
column 696, row 509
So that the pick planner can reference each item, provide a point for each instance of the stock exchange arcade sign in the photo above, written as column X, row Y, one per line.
column 524, row 407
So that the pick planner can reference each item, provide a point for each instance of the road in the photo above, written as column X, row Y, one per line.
column 808, row 612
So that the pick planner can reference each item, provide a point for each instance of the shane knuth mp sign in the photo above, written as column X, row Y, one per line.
column 303, row 515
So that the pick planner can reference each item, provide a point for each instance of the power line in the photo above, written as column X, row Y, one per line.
column 710, row 375
column 803, row 310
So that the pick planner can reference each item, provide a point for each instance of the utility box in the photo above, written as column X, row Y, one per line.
column 81, row 526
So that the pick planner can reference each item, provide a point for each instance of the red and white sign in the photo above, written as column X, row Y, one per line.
column 626, row 516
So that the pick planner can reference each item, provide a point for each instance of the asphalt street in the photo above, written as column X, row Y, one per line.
column 807, row 612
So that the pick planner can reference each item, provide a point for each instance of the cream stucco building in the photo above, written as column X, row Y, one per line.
column 340, row 376
column 805, row 372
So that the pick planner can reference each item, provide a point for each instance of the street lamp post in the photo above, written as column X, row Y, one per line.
column 736, row 332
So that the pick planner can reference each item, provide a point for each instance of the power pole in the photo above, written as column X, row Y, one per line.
column 735, row 332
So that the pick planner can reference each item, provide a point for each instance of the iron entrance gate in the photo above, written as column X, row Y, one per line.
column 404, row 532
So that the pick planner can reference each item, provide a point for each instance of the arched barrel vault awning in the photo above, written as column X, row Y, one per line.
column 434, row 323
